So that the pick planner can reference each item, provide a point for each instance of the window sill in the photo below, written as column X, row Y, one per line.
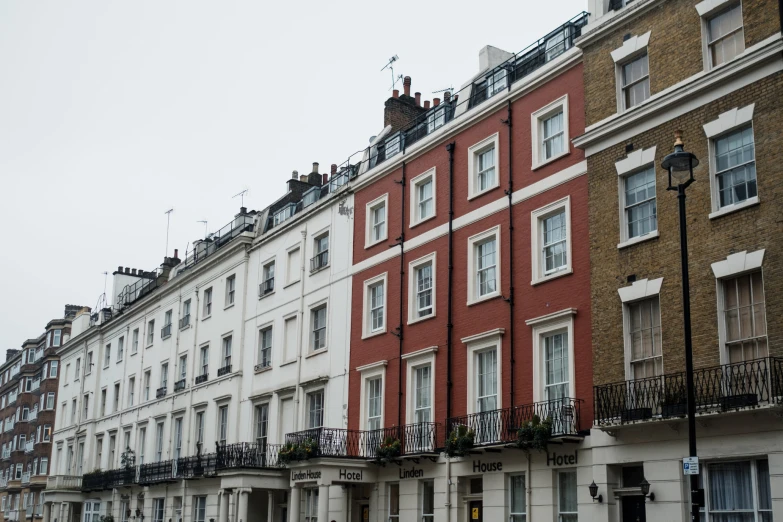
column 164, row 338
column 536, row 166
column 317, row 352
column 292, row 361
column 422, row 319
column 184, row 327
column 640, row 239
column 474, row 195
column 229, row 306
column 264, row 369
column 750, row 202
column 320, row 269
column 118, row 361
column 374, row 334
column 266, row 294
column 372, row 244
column 419, row 222
column 291, row 283
column 555, row 275
column 206, row 317
column 481, row 299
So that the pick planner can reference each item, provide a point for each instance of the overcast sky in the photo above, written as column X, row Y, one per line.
column 113, row 112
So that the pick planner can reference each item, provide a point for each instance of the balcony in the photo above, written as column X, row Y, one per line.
column 184, row 321
column 319, row 262
column 25, row 477
column 202, row 249
column 415, row 440
column 248, row 455
column 161, row 392
column 33, row 415
column 196, row 466
column 267, row 287
column 718, row 389
column 501, row 427
column 224, row 370
column 202, row 378
column 179, row 385
column 156, row 473
column 165, row 331
column 29, row 446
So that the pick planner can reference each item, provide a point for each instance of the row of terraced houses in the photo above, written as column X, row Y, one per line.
column 478, row 317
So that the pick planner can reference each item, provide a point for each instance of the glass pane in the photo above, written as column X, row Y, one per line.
column 517, row 494
column 567, row 491
column 730, row 486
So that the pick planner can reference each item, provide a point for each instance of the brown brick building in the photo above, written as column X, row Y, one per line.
column 28, row 396
column 710, row 69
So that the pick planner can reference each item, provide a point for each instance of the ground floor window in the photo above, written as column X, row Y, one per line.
column 427, row 500
column 199, row 509
column 124, row 511
column 158, row 507
column 311, row 504
column 92, row 511
column 516, row 498
column 394, row 502
column 737, row 491
column 566, row 493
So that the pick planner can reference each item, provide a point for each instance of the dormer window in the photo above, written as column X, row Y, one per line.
column 311, row 196
column 558, row 44
column 393, row 146
column 284, row 213
column 496, row 82
column 436, row 118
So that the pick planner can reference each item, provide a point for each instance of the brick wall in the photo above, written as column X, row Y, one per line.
column 710, row 241
column 675, row 49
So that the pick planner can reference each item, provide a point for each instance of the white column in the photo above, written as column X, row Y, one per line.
column 223, row 510
column 47, row 512
column 270, row 505
column 243, row 496
column 294, row 503
column 323, row 502
column 346, row 500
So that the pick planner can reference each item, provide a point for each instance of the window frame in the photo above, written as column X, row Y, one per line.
column 537, row 120
column 475, row 344
column 551, row 324
column 705, row 482
column 227, row 350
column 314, row 309
column 293, row 274
column 260, row 366
column 634, row 163
column 638, row 291
column 371, row 206
column 369, row 284
column 207, row 304
column 231, row 290
column 516, row 516
column 414, row 361
column 370, row 372
column 421, row 179
column 413, row 268
column 308, row 397
column 537, row 218
column 708, row 10
column 557, row 491
column 473, row 243
column 222, row 423
column 474, row 151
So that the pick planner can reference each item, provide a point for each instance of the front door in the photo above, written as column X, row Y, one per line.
column 633, row 509
column 475, row 511
column 365, row 511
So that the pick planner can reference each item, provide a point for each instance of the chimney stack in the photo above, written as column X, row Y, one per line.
column 418, row 99
column 396, row 93
column 427, row 104
column 176, row 250
column 303, row 177
column 406, row 85
column 399, row 111
column 295, row 175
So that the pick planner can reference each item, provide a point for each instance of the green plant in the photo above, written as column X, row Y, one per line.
column 675, row 395
column 293, row 451
column 107, row 518
column 390, row 448
column 535, row 434
column 460, row 441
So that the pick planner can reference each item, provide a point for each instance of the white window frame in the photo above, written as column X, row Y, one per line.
column 295, row 275
column 413, row 361
column 562, row 320
column 413, row 267
column 259, row 359
column 150, row 332
column 424, row 177
column 705, row 484
column 557, row 491
column 221, row 426
column 518, row 516
column 637, row 291
column 368, row 372
column 632, row 48
column 306, row 413
column 369, row 225
column 310, row 332
column 227, row 360
column 726, row 123
column 231, row 291
column 633, row 163
column 537, row 131
column 474, row 151
column 473, row 242
column 708, row 9
column 135, row 341
column 208, row 303
column 492, row 339
column 367, row 330
column 537, row 240
column 295, row 318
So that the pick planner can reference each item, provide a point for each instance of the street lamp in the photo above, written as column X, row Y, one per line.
column 680, row 165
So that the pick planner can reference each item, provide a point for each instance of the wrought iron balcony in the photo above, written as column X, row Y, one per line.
column 165, row 331
column 202, row 378
column 498, row 427
column 267, row 287
column 179, row 385
column 108, row 479
column 319, row 261
column 415, row 439
column 331, row 442
column 248, row 455
column 727, row 387
column 184, row 321
column 202, row 249
column 224, row 370
column 161, row 392
column 196, row 466
column 156, row 472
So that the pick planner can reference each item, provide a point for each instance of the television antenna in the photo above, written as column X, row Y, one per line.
column 205, row 226
column 390, row 66
column 241, row 195
column 449, row 89
column 168, row 222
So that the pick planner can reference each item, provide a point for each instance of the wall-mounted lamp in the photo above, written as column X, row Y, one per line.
column 646, row 490
column 594, row 492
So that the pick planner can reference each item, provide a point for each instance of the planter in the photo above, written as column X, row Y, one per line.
column 535, row 434
column 460, row 441
column 743, row 400
column 390, row 449
column 635, row 414
column 293, row 451
column 679, row 409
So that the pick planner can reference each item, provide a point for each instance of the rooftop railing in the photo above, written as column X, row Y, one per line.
column 147, row 282
column 728, row 387
column 215, row 241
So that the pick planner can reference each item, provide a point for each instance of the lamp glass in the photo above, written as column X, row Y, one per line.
column 593, row 489
column 645, row 487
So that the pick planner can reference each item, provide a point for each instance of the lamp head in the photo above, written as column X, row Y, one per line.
column 680, row 163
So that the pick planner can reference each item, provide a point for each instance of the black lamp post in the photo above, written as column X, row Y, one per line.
column 680, row 165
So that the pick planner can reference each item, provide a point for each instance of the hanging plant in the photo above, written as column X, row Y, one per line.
column 535, row 434
column 294, row 451
column 390, row 449
column 460, row 441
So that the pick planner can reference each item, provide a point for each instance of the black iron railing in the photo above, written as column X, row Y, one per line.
column 161, row 392
column 202, row 378
column 331, row 442
column 415, row 439
column 267, row 286
column 179, row 385
column 155, row 472
column 319, row 261
column 165, row 331
column 224, row 370
column 196, row 466
column 242, row 455
column 721, row 388
column 184, row 321
column 213, row 242
column 147, row 282
column 502, row 426
column 105, row 480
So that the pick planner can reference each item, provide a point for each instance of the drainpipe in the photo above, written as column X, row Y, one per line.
column 510, row 299
column 398, row 333
column 528, row 487
column 449, row 325
column 242, row 347
column 298, row 391
column 448, row 490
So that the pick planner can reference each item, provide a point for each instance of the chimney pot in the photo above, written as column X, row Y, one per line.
column 295, row 175
column 303, row 177
column 418, row 99
column 326, row 178
column 396, row 93
column 435, row 102
column 427, row 104
column 127, row 270
column 334, row 169
column 315, row 167
column 133, row 271
column 119, row 269
column 406, row 85
column 176, row 250
column 446, row 97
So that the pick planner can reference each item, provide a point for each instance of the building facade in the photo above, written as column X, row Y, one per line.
column 28, row 395
column 711, row 70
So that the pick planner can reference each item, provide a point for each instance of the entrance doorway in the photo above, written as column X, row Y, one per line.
column 476, row 511
column 633, row 509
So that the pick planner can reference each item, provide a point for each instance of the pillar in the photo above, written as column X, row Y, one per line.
column 225, row 497
column 243, row 497
column 323, row 502
column 346, row 500
column 47, row 511
column 294, row 504
column 270, row 506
